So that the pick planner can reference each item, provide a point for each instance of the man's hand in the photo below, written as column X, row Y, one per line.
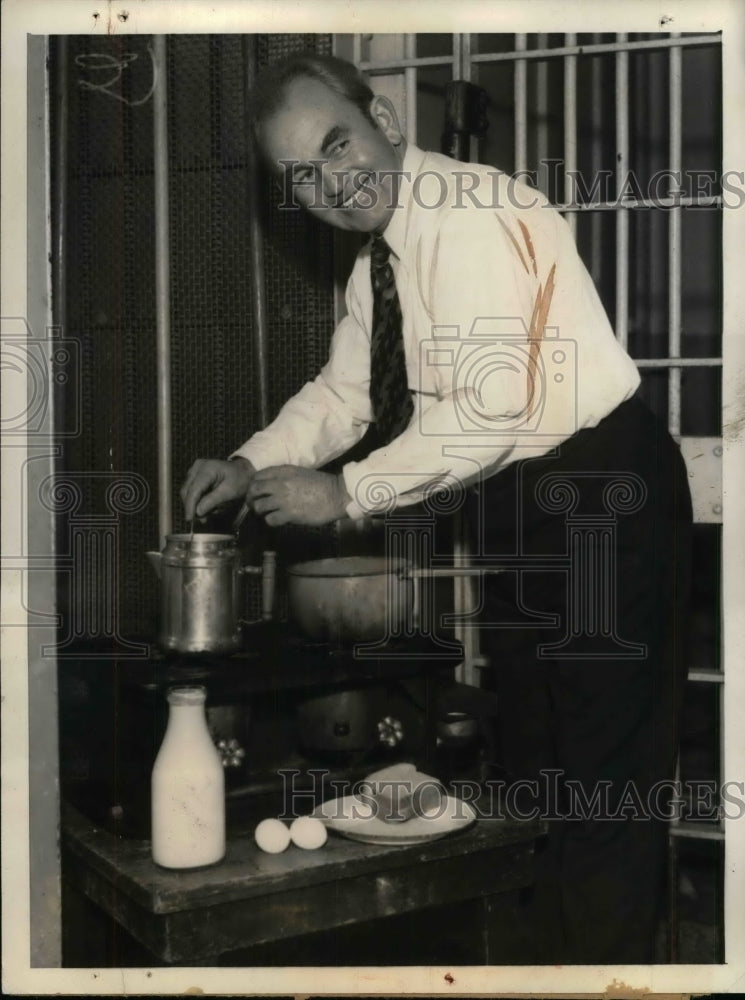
column 287, row 494
column 211, row 482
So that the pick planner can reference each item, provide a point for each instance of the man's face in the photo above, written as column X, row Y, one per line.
column 341, row 164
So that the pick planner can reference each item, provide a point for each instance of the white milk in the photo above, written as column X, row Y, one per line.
column 187, row 787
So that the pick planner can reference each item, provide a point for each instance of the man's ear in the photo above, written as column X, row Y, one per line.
column 384, row 115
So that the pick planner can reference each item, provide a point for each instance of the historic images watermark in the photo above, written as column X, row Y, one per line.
column 549, row 797
column 310, row 185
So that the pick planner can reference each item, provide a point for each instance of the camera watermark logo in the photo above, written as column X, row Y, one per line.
column 502, row 380
column 32, row 370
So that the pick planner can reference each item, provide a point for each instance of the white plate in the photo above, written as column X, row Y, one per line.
column 348, row 816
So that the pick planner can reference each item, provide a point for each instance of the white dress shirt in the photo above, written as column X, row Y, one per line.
column 508, row 348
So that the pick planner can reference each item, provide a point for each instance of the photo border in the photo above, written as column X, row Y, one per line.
column 22, row 17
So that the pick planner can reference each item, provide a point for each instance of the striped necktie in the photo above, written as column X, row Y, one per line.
column 391, row 400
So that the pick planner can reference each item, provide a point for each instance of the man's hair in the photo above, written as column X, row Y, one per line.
column 270, row 86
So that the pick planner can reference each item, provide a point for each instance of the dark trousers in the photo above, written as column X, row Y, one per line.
column 588, row 661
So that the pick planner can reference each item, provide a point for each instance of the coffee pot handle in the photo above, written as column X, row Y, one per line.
column 268, row 573
column 268, row 577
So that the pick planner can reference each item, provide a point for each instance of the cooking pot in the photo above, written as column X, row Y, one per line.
column 361, row 598
column 351, row 599
column 200, row 591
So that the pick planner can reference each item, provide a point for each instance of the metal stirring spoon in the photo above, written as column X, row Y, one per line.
column 241, row 516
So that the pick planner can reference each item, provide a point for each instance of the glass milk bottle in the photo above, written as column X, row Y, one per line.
column 187, row 787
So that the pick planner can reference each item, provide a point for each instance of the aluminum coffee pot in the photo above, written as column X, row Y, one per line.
column 200, row 592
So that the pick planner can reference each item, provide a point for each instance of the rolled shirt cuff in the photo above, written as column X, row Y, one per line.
column 260, row 460
column 353, row 509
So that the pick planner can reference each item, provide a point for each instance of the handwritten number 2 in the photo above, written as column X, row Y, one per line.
column 100, row 62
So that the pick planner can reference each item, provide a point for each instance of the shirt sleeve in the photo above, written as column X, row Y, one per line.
column 478, row 283
column 329, row 414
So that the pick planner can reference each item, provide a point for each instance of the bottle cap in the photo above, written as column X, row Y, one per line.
column 194, row 694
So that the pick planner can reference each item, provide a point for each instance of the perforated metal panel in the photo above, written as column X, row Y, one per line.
column 111, row 274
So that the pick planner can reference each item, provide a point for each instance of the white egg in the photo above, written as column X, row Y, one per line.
column 272, row 836
column 308, row 832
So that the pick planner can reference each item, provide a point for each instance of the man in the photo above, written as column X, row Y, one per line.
column 477, row 349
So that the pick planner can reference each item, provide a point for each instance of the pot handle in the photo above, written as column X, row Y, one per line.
column 441, row 571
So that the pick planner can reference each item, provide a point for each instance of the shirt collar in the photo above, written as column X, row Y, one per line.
column 395, row 232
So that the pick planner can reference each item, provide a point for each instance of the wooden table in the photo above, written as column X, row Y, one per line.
column 251, row 898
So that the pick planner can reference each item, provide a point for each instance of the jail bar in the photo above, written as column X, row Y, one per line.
column 700, row 201
column 622, row 218
column 596, row 158
column 258, row 283
column 570, row 127
column 672, row 363
column 464, row 591
column 464, row 672
column 697, row 831
column 162, row 287
column 457, row 58
column 541, row 102
column 706, row 676
column 675, row 41
column 410, row 74
column 675, row 234
column 692, row 829
column 521, row 105
column 471, row 76
column 388, row 65
column 464, row 602
column 385, row 67
column 466, row 50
